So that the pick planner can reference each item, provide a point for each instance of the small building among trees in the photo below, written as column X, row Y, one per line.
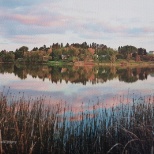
column 151, row 52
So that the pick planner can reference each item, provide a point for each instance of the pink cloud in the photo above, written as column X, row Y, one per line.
column 25, row 19
column 29, row 39
column 38, row 19
column 148, row 29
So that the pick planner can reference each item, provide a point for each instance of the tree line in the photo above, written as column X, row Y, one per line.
column 75, row 52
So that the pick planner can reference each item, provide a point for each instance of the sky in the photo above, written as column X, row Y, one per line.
column 34, row 23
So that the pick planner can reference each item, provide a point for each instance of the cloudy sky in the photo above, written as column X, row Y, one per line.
column 111, row 22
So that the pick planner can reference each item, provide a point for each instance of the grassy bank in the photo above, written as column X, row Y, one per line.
column 119, row 63
column 29, row 126
column 59, row 63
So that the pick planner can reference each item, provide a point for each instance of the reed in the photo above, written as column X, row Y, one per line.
column 38, row 128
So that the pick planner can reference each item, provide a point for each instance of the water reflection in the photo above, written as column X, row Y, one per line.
column 67, row 84
column 76, row 74
column 132, row 75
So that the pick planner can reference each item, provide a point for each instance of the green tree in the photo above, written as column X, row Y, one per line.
column 142, row 51
column 128, row 49
column 23, row 48
column 107, row 54
column 128, row 57
column 67, row 45
column 35, row 49
column 8, row 57
column 61, row 45
column 19, row 54
column 56, row 54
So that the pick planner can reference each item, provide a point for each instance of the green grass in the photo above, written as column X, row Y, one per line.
column 40, row 128
column 58, row 63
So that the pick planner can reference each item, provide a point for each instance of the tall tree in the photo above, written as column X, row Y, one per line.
column 23, row 48
column 126, row 50
column 142, row 51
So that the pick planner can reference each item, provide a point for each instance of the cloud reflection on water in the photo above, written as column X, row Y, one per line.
column 80, row 96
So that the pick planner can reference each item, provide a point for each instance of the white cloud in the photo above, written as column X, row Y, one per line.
column 120, row 21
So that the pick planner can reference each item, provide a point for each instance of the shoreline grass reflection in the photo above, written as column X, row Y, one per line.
column 40, row 128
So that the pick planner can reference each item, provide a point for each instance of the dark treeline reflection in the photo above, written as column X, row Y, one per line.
column 77, row 74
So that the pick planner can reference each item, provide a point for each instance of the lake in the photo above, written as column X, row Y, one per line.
column 77, row 85
column 92, row 109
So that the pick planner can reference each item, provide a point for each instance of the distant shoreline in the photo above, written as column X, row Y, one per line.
column 121, row 64
column 82, row 63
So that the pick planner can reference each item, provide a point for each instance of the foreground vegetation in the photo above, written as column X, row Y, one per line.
column 30, row 126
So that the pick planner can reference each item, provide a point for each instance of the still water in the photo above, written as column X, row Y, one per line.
column 76, row 85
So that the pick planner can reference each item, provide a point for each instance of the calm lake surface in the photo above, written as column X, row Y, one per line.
column 77, row 85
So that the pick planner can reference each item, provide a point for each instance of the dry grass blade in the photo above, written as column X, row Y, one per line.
column 1, row 150
column 152, row 150
column 133, row 140
column 31, row 148
column 117, row 144
column 129, row 132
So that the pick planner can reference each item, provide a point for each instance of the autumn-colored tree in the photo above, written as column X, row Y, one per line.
column 137, row 58
column 113, row 58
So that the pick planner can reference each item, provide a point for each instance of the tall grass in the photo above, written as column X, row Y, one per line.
column 37, row 128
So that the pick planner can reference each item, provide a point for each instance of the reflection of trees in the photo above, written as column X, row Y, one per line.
column 127, row 75
column 73, row 75
column 105, row 73
column 56, row 74
column 9, row 68
column 77, row 74
column 133, row 74
column 20, row 72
